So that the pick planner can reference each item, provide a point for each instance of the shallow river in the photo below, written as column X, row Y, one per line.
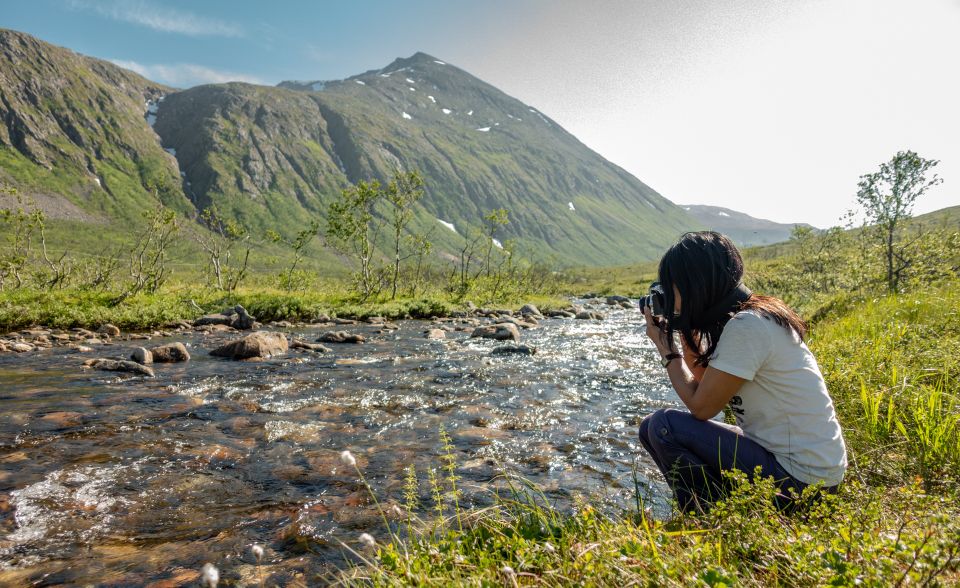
column 114, row 479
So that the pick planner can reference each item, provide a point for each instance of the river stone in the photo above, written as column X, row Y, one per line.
column 499, row 331
column 109, row 330
column 21, row 347
column 242, row 321
column 114, row 365
column 340, row 337
column 170, row 353
column 435, row 334
column 531, row 310
column 511, row 349
column 214, row 319
column 585, row 315
column 343, row 321
column 616, row 299
column 315, row 347
column 561, row 314
column 142, row 356
column 260, row 344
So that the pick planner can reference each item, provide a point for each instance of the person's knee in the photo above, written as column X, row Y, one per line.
column 657, row 425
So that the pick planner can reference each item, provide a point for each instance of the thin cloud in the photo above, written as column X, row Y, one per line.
column 160, row 18
column 185, row 75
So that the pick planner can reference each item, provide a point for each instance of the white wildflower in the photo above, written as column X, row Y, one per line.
column 209, row 575
column 257, row 551
column 549, row 548
column 347, row 459
column 507, row 571
column 367, row 540
column 396, row 511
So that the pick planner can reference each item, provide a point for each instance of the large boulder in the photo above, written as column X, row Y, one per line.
column 499, row 332
column 170, row 353
column 257, row 345
column 119, row 365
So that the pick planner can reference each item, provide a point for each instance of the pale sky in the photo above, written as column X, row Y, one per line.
column 770, row 107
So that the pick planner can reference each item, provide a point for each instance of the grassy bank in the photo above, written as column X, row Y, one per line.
column 69, row 308
column 891, row 365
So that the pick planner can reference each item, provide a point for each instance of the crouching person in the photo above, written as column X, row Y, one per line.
column 741, row 350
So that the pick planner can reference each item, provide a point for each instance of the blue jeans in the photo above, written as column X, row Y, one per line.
column 691, row 454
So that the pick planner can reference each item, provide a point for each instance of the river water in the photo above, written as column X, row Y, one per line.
column 113, row 479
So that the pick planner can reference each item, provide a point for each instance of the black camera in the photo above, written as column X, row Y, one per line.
column 654, row 300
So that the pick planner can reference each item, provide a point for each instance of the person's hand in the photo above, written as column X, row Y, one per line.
column 655, row 330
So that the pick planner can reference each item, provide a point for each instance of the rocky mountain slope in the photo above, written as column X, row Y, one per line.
column 104, row 140
column 73, row 133
column 745, row 230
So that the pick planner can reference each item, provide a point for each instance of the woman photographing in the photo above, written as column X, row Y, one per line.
column 745, row 351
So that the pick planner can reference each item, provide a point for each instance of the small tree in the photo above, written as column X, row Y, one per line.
column 149, row 257
column 887, row 197
column 492, row 221
column 219, row 243
column 403, row 191
column 20, row 224
column 352, row 229
column 298, row 244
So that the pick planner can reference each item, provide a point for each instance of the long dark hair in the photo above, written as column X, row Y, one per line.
column 706, row 268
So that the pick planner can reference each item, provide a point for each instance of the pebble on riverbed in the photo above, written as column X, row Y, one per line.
column 170, row 353
column 499, row 332
column 315, row 347
column 514, row 349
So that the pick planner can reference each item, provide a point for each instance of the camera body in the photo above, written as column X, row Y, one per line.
column 655, row 300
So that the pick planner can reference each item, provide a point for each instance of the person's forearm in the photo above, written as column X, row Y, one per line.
column 682, row 379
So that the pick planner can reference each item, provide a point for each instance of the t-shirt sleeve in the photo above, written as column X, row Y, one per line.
column 743, row 346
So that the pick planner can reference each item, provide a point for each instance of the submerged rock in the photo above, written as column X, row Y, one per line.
column 170, row 353
column 435, row 334
column 315, row 347
column 258, row 345
column 119, row 365
column 511, row 349
column 340, row 337
column 499, row 332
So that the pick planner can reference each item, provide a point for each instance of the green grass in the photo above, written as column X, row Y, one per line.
column 892, row 369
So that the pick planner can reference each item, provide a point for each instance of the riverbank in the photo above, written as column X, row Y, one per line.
column 891, row 365
column 86, row 309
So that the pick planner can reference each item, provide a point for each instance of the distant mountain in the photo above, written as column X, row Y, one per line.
column 104, row 142
column 745, row 230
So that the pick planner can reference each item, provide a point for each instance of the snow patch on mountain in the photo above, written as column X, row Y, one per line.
column 432, row 99
column 406, row 116
column 446, row 110
column 448, row 225
column 570, row 204
column 484, row 129
column 361, row 82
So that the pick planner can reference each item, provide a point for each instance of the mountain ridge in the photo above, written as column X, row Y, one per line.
column 271, row 156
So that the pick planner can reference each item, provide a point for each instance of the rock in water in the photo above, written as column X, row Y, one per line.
column 500, row 332
column 510, row 349
column 21, row 347
column 142, row 356
column 114, row 365
column 260, row 344
column 170, row 353
column 435, row 334
column 616, row 300
column 315, row 347
column 242, row 321
column 109, row 330
column 590, row 315
column 530, row 310
column 340, row 337
column 214, row 319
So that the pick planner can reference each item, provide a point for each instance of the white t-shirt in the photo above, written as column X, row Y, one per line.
column 784, row 404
